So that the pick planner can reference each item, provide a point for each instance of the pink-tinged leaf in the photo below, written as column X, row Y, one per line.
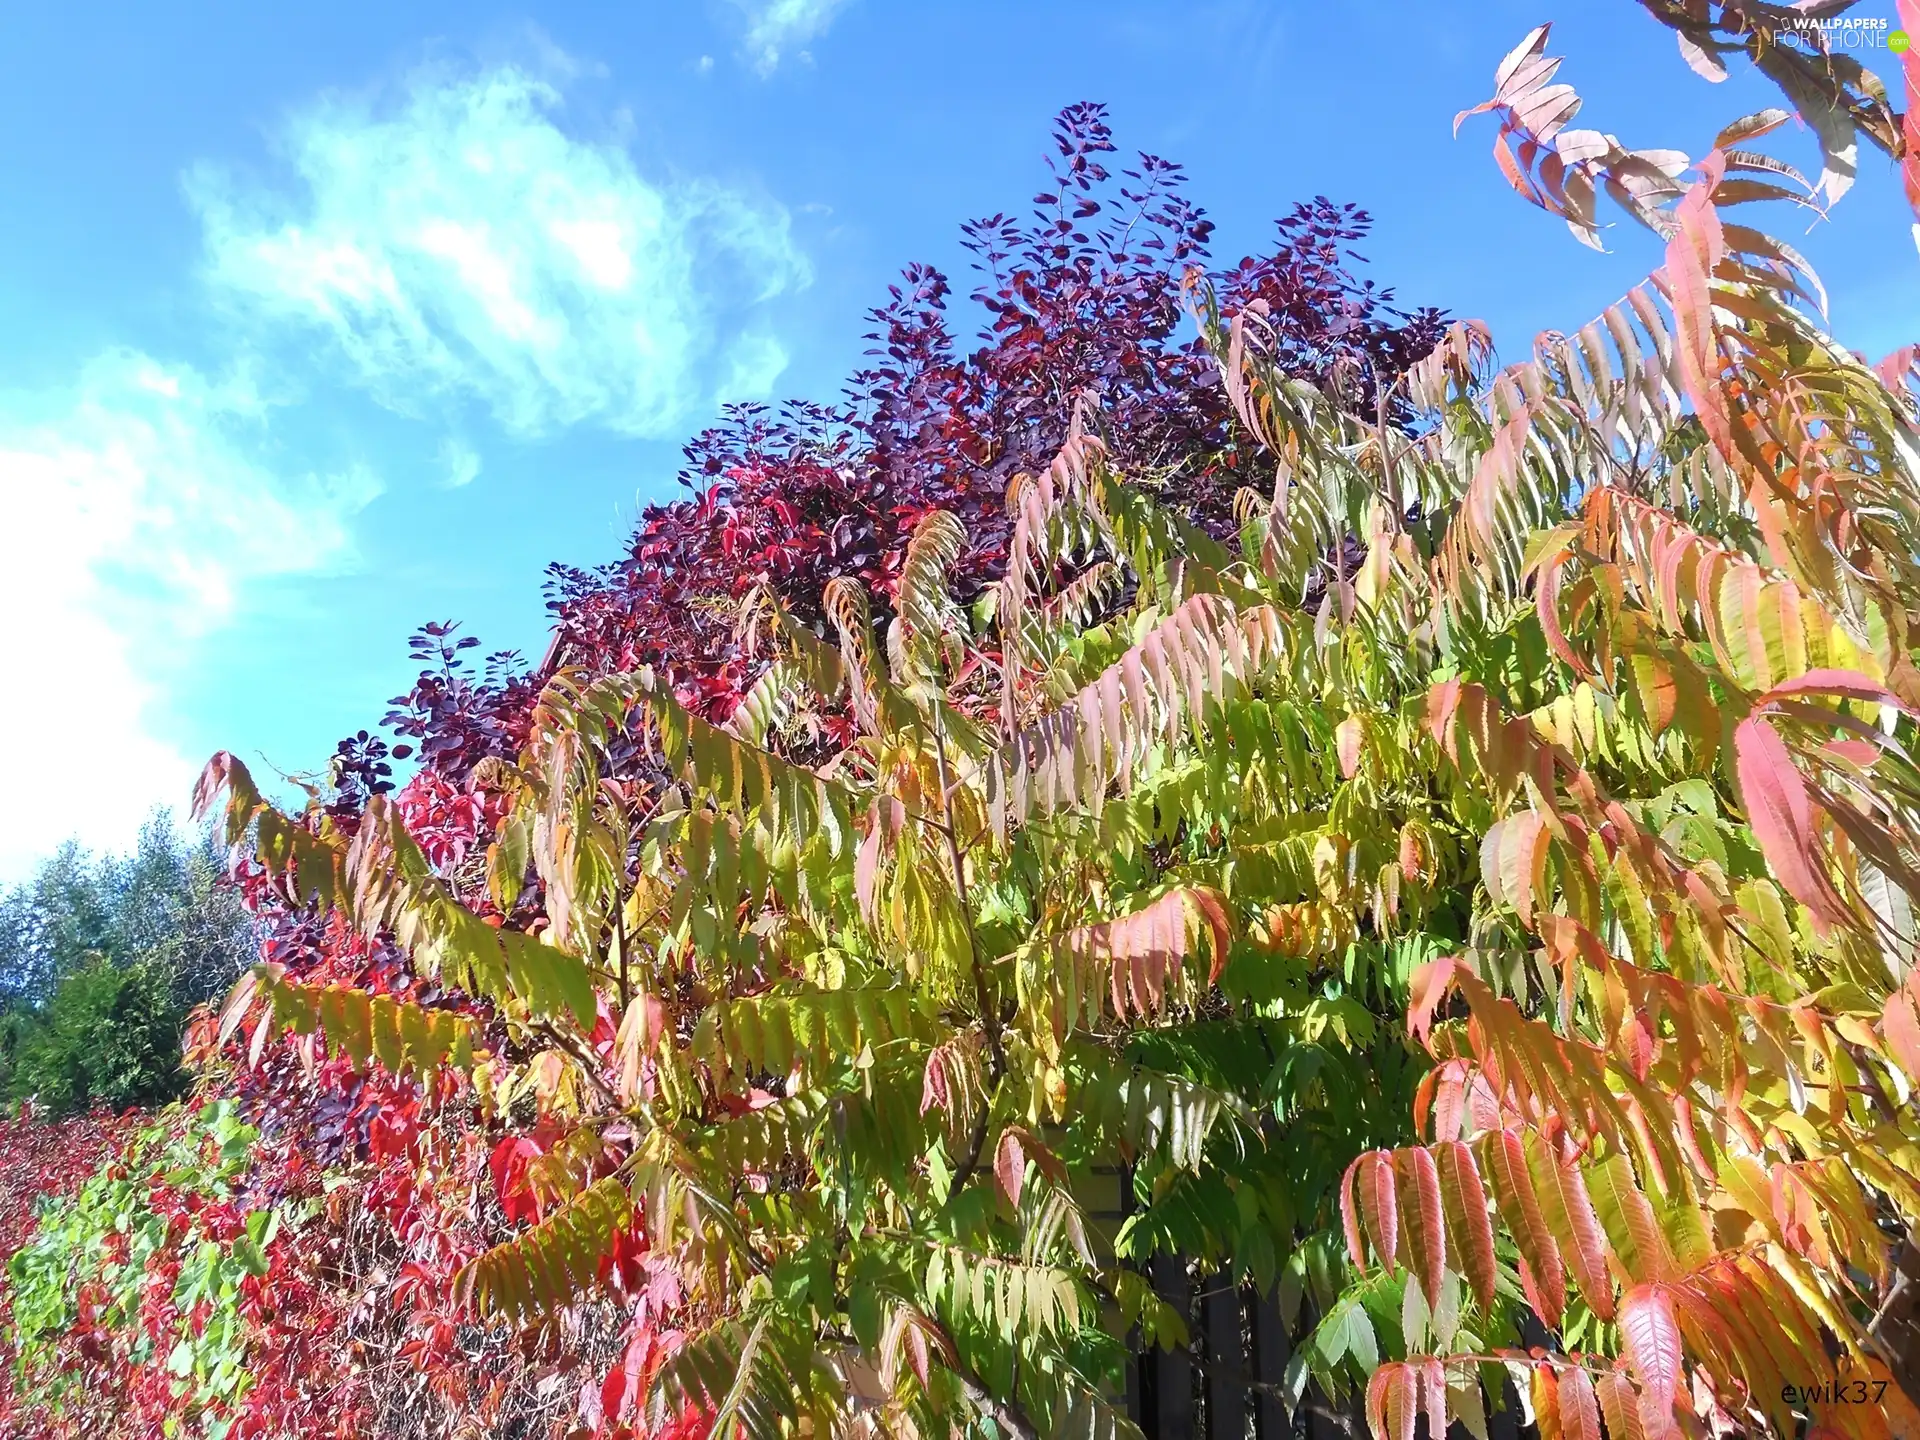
column 1483, row 1105
column 1619, row 1406
column 1433, row 1387
column 1570, row 1218
column 1846, row 684
column 1348, row 736
column 915, row 1340
column 1141, row 948
column 1693, row 254
column 1412, row 865
column 1546, row 602
column 1517, row 62
column 1010, row 1165
column 912, row 1337
column 1900, row 1023
column 1506, row 1165
column 1895, row 370
column 1579, row 1407
column 1635, row 1045
column 1469, row 1228
column 1377, row 1400
column 866, row 868
column 1858, row 753
column 1392, row 1401
column 1350, row 1215
column 933, row 1086
column 1543, row 1303
column 1426, row 993
column 1701, row 61
column 637, row 1040
column 1513, row 861
column 1687, row 1123
column 1652, row 1338
column 1379, row 1208
column 1780, row 810
column 1213, row 915
column 1497, row 475
column 1420, row 1211
column 1447, row 1099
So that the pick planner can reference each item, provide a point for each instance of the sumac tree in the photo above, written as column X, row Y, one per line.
column 1462, row 870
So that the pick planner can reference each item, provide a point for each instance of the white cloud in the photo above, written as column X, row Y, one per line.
column 135, row 516
column 756, row 362
column 777, row 29
column 455, row 242
column 460, row 461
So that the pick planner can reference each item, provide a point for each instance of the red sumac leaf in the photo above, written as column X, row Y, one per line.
column 1619, row 1406
column 1579, row 1409
column 1469, row 1228
column 1433, row 1384
column 1652, row 1337
column 1900, row 1024
column 1781, row 811
column 1010, row 1165
column 1379, row 1207
column 1568, row 1211
column 1350, row 1215
column 1420, row 1213
column 1506, row 1165
column 1392, row 1401
column 1546, row 1400
column 1348, row 736
column 1426, row 993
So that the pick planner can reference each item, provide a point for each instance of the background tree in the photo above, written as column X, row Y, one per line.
column 101, row 958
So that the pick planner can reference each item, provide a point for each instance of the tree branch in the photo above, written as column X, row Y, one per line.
column 1004, row 1413
column 989, row 1015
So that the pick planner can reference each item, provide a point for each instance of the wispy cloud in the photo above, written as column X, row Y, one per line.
column 460, row 463
column 456, row 242
column 136, row 514
column 780, row 29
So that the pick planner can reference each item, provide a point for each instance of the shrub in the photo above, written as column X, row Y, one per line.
column 45, row 1160
column 110, row 1036
column 128, row 1303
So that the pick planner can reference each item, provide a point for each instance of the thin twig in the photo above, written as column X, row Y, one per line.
column 588, row 1065
column 996, row 1053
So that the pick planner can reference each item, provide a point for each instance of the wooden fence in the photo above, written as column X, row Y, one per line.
column 1229, row 1383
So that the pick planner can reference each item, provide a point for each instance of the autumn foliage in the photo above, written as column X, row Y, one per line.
column 1445, row 834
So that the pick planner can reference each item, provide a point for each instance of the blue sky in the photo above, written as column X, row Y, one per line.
column 320, row 322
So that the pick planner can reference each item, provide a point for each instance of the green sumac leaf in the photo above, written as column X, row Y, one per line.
column 406, row 1038
column 551, row 1265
